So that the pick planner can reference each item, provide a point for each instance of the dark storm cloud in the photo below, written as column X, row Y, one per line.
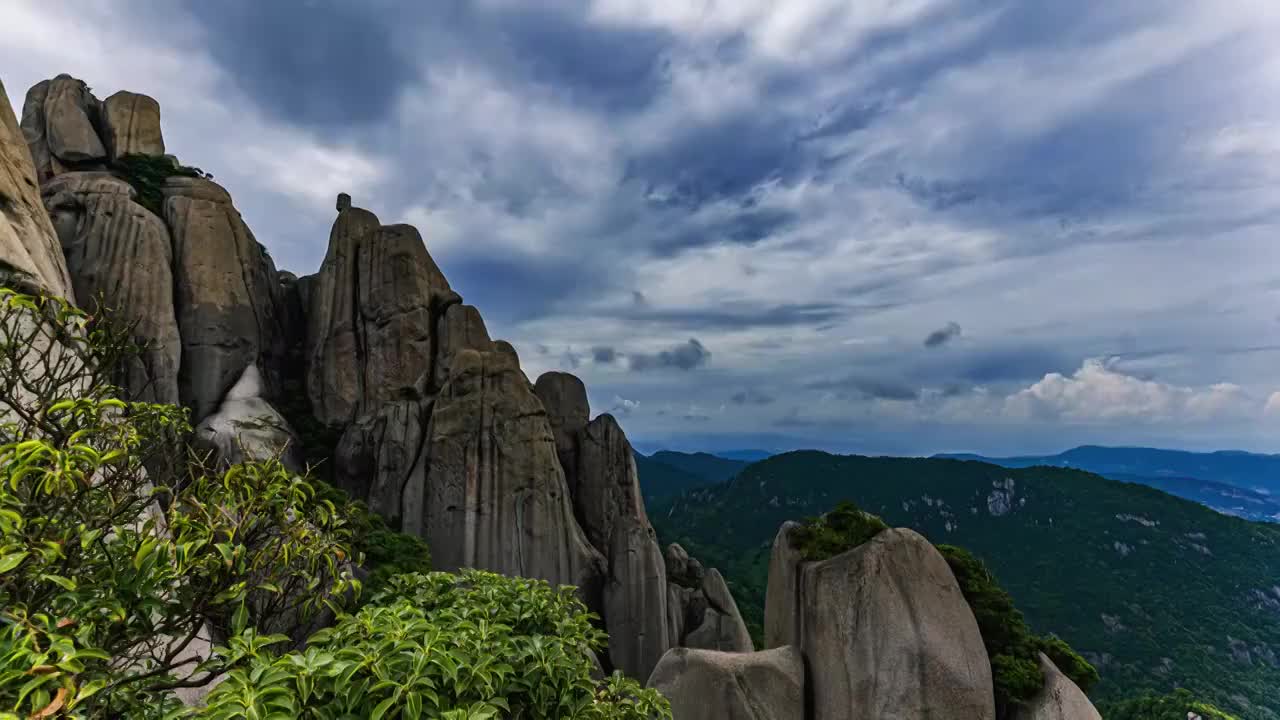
column 604, row 355
column 685, row 356
column 1015, row 364
column 868, row 387
column 751, row 396
column 324, row 63
column 731, row 317
column 942, row 335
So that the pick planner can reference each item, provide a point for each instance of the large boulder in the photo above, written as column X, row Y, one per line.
column 782, row 591
column 635, row 599
column 119, row 253
column 495, row 495
column 227, row 296
column 30, row 257
column 1059, row 699
column 565, row 398
column 60, row 120
column 722, row 626
column 460, row 327
column 886, row 634
column 709, row 685
column 131, row 125
column 247, row 427
column 372, row 317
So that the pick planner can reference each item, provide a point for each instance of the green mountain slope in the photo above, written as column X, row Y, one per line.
column 667, row 473
column 1157, row 591
column 712, row 467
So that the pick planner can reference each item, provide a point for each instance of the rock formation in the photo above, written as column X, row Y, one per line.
column 565, row 398
column 119, row 253
column 1059, row 699
column 226, row 294
column 60, row 120
column 131, row 125
column 708, row 685
column 247, row 427
column 884, row 630
column 701, row 612
column 30, row 257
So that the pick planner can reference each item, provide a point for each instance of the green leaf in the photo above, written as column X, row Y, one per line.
column 12, row 560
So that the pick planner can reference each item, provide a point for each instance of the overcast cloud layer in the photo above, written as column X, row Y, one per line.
column 901, row 226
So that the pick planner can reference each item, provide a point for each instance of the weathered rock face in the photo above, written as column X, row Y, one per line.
column 886, row 634
column 226, row 295
column 117, row 250
column 608, row 486
column 460, row 328
column 495, row 496
column 30, row 257
column 565, row 398
column 1060, row 699
column 701, row 611
column 635, row 599
column 247, row 427
column 708, row 685
column 131, row 125
column 60, row 119
column 382, row 459
column 782, row 593
column 371, row 318
column 722, row 626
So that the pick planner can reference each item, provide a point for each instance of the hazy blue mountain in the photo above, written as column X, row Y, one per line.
column 747, row 455
column 704, row 465
column 1230, row 481
column 660, row 480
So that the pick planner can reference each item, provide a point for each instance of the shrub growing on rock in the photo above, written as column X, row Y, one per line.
column 842, row 529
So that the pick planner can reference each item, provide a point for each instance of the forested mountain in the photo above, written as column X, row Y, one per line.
column 1229, row 481
column 669, row 473
column 1158, row 592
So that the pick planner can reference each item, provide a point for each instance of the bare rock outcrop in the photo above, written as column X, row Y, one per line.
column 460, row 328
column 565, row 398
column 709, row 685
column 247, row 427
column 60, row 120
column 30, row 256
column 382, row 459
column 119, row 252
column 701, row 611
column 227, row 295
column 371, row 317
column 131, row 125
column 1059, row 699
column 885, row 631
column 495, row 495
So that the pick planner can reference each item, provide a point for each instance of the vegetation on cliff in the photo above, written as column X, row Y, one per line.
column 115, row 573
column 1177, row 705
column 1155, row 591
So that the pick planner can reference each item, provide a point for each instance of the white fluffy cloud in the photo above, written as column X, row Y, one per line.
column 1099, row 392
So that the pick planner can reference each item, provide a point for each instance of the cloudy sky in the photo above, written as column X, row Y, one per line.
column 899, row 226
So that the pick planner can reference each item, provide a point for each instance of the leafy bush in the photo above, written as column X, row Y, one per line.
column 843, row 528
column 147, row 173
column 475, row 645
column 1011, row 645
column 386, row 552
column 1174, row 706
column 108, row 573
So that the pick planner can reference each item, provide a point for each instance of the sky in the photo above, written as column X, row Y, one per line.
column 886, row 226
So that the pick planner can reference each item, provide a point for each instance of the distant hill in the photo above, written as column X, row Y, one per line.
column 747, row 455
column 1230, row 481
column 667, row 473
column 704, row 465
column 1157, row 591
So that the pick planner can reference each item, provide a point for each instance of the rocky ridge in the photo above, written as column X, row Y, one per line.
column 440, row 431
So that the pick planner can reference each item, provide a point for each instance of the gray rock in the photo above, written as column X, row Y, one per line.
column 708, row 685
column 675, row 615
column 30, row 257
column 119, row 253
column 886, row 634
column 1060, row 699
column 677, row 560
column 565, row 398
column 722, row 626
column 608, row 486
column 131, row 124
column 635, row 599
column 460, row 327
column 495, row 496
column 227, row 299
column 382, row 460
column 69, row 113
column 371, row 325
column 782, row 593
column 247, row 427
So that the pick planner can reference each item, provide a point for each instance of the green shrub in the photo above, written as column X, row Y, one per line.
column 1174, row 706
column 475, row 645
column 102, row 560
column 842, row 529
column 1011, row 645
column 147, row 174
column 386, row 552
